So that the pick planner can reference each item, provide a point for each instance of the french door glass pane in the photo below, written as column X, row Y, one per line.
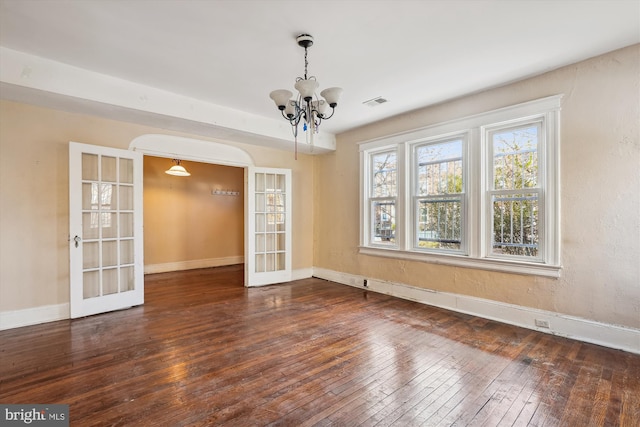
column 260, row 243
column 109, row 169
column 109, row 225
column 107, row 191
column 260, row 182
column 260, row 202
column 89, row 167
column 271, row 242
column 109, row 281
column 90, row 255
column 126, row 197
column 91, row 284
column 107, row 197
column 270, row 182
column 126, row 225
column 126, row 171
column 109, row 253
column 260, row 220
column 126, row 251
column 260, row 259
column 89, row 195
column 127, row 279
column 271, row 262
column 90, row 225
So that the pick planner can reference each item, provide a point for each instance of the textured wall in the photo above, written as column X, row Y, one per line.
column 600, row 196
column 34, row 197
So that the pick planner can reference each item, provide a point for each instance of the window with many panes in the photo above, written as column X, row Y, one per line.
column 481, row 191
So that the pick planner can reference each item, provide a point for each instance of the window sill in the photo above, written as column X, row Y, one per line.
column 505, row 266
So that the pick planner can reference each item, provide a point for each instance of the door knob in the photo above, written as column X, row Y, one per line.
column 77, row 239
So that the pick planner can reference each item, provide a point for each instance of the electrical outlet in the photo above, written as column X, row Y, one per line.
column 540, row 323
column 365, row 283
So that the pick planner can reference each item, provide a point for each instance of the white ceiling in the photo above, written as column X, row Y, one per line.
column 232, row 53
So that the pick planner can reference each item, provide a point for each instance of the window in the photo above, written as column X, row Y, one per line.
column 515, row 191
column 480, row 192
column 384, row 190
column 439, row 195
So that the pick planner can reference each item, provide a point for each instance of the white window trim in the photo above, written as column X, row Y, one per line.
column 412, row 232
column 477, row 224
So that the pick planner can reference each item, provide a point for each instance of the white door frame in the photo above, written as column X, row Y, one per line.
column 174, row 147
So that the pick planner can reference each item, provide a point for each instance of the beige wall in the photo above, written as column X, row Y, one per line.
column 183, row 221
column 600, row 196
column 34, row 197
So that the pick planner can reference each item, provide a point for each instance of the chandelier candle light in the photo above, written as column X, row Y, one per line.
column 307, row 108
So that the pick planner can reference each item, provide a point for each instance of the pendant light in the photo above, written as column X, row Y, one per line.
column 177, row 169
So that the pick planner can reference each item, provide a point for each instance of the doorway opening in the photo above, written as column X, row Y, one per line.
column 193, row 221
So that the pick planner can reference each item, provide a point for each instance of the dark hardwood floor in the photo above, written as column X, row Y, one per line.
column 204, row 350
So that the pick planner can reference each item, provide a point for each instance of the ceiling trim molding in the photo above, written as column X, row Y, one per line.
column 176, row 147
column 62, row 85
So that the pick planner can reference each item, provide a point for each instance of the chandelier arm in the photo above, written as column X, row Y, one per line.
column 325, row 117
column 296, row 117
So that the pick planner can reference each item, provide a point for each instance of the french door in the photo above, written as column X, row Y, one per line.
column 106, row 244
column 268, row 228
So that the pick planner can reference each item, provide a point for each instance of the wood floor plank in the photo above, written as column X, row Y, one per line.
column 205, row 351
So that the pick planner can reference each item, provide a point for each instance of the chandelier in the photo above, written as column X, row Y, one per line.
column 307, row 107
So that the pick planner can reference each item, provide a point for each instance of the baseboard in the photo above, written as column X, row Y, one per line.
column 192, row 264
column 33, row 316
column 613, row 336
column 303, row 273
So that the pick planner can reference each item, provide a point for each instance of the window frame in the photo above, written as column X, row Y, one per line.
column 476, row 246
column 368, row 232
column 490, row 191
column 415, row 197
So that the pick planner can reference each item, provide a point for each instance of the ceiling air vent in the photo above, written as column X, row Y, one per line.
column 375, row 101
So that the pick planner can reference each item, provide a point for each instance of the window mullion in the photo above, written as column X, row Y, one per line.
column 403, row 211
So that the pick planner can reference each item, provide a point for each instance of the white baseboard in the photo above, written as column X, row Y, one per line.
column 613, row 336
column 303, row 273
column 192, row 264
column 33, row 316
